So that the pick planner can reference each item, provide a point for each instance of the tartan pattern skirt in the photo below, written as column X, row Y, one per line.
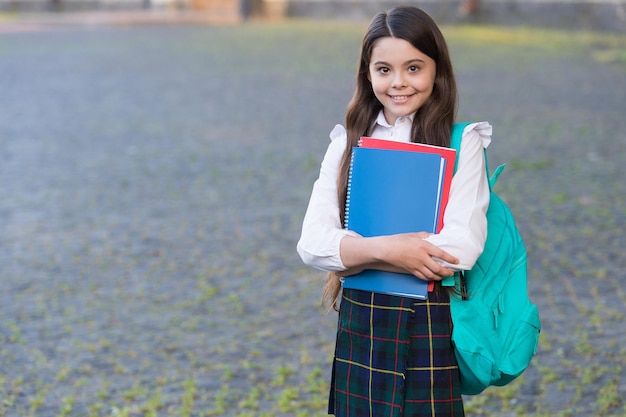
column 394, row 357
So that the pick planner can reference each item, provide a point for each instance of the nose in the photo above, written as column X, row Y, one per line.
column 398, row 80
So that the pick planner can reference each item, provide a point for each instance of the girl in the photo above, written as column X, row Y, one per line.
column 394, row 355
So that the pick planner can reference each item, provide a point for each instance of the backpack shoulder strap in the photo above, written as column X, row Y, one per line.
column 455, row 139
column 455, row 143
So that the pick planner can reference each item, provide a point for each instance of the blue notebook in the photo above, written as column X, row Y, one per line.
column 389, row 192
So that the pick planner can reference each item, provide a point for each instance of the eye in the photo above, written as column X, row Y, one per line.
column 413, row 68
column 383, row 70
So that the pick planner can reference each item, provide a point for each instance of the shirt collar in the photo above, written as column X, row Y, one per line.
column 380, row 119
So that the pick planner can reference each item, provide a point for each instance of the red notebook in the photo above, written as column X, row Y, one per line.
column 447, row 153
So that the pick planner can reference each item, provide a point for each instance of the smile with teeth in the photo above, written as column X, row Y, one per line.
column 404, row 97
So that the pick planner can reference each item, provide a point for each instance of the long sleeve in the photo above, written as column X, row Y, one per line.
column 465, row 222
column 321, row 229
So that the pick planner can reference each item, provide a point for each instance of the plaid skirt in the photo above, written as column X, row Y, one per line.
column 394, row 358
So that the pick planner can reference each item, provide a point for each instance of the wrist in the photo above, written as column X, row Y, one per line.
column 380, row 249
column 356, row 251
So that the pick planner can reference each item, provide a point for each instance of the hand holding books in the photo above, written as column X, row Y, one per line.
column 394, row 191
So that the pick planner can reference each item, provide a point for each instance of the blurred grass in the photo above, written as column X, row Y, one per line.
column 551, row 40
column 7, row 17
column 604, row 47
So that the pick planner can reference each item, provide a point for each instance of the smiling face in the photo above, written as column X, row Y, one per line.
column 402, row 77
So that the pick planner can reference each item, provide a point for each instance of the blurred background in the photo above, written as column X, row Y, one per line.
column 156, row 160
column 604, row 15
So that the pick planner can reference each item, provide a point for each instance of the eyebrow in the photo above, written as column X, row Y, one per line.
column 410, row 61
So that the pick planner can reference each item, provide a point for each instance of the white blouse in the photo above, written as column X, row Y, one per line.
column 465, row 222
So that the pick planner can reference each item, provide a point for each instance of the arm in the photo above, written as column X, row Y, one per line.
column 325, row 245
column 322, row 231
column 405, row 253
column 465, row 222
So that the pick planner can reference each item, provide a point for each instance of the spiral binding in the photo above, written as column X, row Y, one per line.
column 346, row 217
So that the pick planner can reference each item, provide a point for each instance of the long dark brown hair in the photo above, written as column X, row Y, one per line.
column 433, row 121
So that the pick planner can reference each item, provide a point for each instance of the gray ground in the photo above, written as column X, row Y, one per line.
column 152, row 185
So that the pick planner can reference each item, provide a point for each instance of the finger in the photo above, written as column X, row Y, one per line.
column 445, row 272
column 422, row 272
column 437, row 272
column 445, row 256
column 427, row 274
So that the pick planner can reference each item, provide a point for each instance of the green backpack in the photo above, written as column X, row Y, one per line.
column 495, row 327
